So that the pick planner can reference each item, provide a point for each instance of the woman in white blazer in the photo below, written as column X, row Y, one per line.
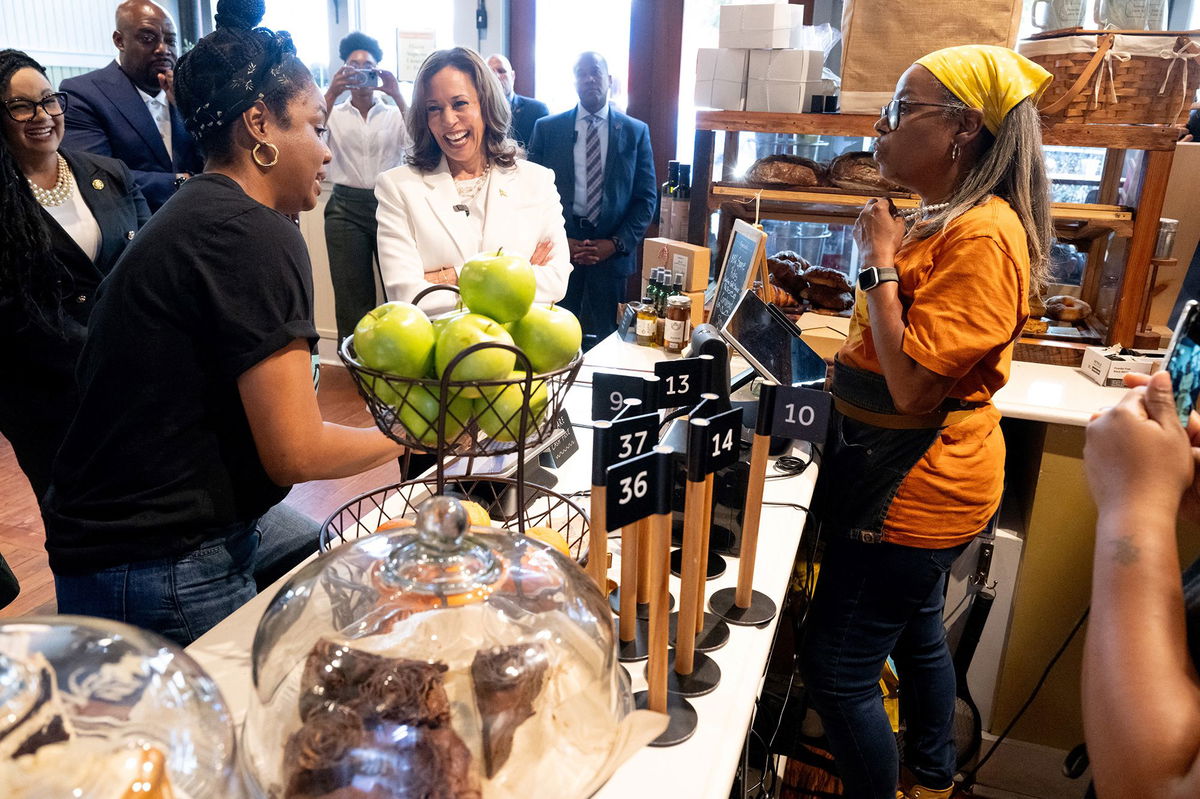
column 464, row 191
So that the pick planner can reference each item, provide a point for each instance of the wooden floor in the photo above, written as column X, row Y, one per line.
column 22, row 539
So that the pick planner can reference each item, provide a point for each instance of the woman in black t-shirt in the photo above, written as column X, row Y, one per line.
column 197, row 407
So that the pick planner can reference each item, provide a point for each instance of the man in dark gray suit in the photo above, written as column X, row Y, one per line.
column 525, row 110
column 604, row 172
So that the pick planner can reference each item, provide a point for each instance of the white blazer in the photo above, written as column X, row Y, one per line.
column 419, row 229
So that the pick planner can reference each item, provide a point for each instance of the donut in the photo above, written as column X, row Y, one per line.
column 1065, row 308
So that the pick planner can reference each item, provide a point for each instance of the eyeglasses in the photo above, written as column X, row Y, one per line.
column 55, row 105
column 891, row 111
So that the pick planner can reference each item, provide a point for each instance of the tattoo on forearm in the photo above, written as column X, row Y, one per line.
column 1125, row 551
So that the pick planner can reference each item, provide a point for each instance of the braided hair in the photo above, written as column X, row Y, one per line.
column 232, row 68
column 29, row 270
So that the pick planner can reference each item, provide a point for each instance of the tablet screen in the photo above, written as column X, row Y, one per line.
column 771, row 346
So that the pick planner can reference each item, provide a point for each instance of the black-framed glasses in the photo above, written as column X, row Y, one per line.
column 891, row 111
column 55, row 105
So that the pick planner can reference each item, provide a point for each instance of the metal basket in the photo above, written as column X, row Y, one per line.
column 458, row 417
column 502, row 497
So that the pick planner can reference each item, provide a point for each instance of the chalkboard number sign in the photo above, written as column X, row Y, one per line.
column 681, row 382
column 632, row 436
column 801, row 413
column 724, row 440
column 637, row 488
column 609, row 392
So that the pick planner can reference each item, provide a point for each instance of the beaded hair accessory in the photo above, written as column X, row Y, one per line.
column 247, row 87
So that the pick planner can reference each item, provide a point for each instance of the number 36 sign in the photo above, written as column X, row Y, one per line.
column 637, row 488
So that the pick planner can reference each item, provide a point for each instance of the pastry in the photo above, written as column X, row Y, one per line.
column 858, row 171
column 393, row 709
column 785, row 170
column 788, row 274
column 1065, row 308
column 1035, row 327
column 506, row 681
column 827, row 276
column 774, row 294
column 41, row 721
column 830, row 298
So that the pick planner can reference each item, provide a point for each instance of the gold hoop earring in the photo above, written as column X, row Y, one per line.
column 954, row 152
column 274, row 154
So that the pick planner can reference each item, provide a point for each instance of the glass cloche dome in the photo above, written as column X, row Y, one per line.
column 96, row 709
column 433, row 662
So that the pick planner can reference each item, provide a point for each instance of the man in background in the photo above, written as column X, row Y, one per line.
column 525, row 110
column 604, row 171
column 127, row 109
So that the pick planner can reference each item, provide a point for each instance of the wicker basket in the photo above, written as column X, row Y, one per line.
column 1118, row 78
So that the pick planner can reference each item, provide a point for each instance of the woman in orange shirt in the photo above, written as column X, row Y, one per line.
column 915, row 469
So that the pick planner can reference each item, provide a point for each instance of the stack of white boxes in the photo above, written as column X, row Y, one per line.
column 757, row 67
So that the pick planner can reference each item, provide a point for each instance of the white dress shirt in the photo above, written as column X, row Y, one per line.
column 157, row 106
column 579, row 206
column 79, row 222
column 363, row 149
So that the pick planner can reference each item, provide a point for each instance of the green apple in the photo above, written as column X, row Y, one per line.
column 396, row 338
column 549, row 337
column 487, row 364
column 499, row 411
column 439, row 322
column 497, row 285
column 419, row 413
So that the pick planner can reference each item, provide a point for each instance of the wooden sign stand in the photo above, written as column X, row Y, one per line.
column 693, row 673
column 743, row 605
column 632, row 636
column 656, row 697
column 712, row 632
column 597, row 529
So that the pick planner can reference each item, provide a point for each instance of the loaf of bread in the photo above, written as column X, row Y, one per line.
column 858, row 171
column 827, row 276
column 830, row 298
column 785, row 170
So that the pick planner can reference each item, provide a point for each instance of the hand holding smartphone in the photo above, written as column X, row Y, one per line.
column 1183, row 360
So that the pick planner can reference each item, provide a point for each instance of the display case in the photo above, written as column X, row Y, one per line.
column 1113, row 283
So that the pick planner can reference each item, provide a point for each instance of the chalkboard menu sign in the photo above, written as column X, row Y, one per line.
column 737, row 270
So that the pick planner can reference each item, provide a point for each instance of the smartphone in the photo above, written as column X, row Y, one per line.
column 363, row 77
column 1183, row 360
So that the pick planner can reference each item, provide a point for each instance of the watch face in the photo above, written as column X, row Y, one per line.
column 868, row 278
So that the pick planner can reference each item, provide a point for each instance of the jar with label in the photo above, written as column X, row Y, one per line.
column 647, row 323
column 678, row 326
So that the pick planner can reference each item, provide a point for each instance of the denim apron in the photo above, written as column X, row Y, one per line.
column 864, row 464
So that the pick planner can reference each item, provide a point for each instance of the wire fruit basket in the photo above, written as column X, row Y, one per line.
column 472, row 418
column 516, row 506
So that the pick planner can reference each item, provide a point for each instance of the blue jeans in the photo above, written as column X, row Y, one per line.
column 184, row 597
column 872, row 601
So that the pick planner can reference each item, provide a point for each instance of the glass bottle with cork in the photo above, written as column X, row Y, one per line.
column 677, row 330
column 666, row 198
column 681, row 205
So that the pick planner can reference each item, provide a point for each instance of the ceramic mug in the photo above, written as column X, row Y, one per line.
column 1122, row 14
column 1059, row 14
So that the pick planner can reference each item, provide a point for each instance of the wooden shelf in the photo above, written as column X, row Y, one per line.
column 1092, row 220
column 1064, row 134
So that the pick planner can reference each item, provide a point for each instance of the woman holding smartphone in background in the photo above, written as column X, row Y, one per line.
column 367, row 137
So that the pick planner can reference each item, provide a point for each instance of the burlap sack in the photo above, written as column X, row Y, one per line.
column 882, row 38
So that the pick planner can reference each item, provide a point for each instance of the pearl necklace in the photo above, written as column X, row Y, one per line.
column 60, row 192
column 467, row 189
column 922, row 211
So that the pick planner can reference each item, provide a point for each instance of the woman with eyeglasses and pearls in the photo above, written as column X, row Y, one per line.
column 198, row 410
column 67, row 217
column 915, row 465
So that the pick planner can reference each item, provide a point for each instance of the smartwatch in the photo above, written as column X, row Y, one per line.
column 871, row 276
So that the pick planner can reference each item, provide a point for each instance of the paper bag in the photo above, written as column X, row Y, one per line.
column 882, row 38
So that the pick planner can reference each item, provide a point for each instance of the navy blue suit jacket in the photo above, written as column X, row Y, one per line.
column 525, row 112
column 106, row 116
column 630, row 190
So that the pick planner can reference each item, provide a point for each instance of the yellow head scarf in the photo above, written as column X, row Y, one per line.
column 987, row 78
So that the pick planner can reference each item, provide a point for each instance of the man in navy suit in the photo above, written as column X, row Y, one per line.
column 607, row 215
column 127, row 109
column 525, row 110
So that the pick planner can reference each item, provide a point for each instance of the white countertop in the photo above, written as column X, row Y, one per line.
column 702, row 767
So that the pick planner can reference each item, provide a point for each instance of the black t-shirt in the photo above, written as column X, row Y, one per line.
column 160, row 456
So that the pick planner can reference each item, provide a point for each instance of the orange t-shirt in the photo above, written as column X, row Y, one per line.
column 964, row 292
